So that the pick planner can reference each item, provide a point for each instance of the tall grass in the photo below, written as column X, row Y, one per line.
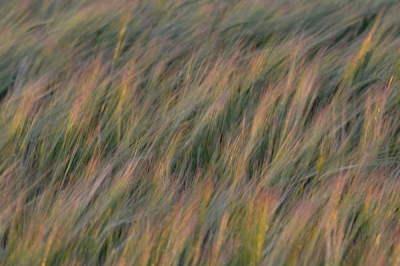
column 211, row 132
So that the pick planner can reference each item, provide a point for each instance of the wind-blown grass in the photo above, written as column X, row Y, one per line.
column 199, row 132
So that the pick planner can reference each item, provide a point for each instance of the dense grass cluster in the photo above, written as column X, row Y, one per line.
column 206, row 132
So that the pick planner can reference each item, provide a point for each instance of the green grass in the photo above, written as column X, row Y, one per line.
column 215, row 132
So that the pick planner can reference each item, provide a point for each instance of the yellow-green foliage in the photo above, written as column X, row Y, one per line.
column 215, row 132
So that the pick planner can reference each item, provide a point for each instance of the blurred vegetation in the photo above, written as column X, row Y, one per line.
column 214, row 132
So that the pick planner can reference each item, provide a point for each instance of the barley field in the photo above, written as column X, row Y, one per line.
column 200, row 132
